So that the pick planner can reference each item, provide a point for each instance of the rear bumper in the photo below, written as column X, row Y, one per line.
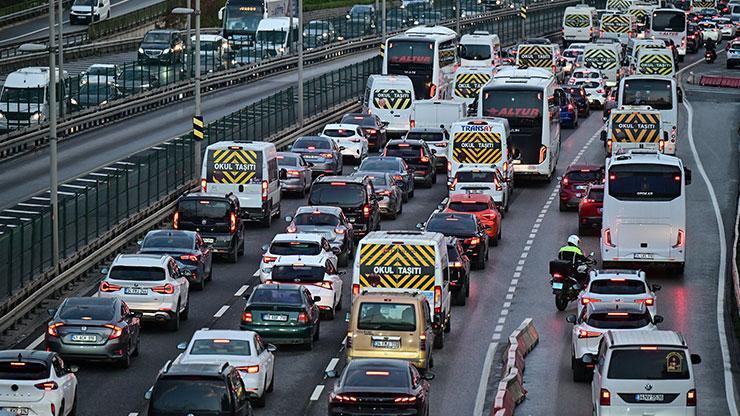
column 590, row 222
column 280, row 334
column 254, row 214
column 112, row 350
column 417, row 358
column 292, row 184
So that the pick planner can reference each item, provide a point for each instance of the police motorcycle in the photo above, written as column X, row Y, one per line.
column 568, row 279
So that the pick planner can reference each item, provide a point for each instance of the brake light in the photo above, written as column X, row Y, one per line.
column 424, row 159
column 543, row 153
column 203, row 185
column 343, row 398
column 498, row 184
column 647, row 301
column 251, row 369
column 457, row 264
column 432, row 90
column 327, row 155
column 449, row 166
column 586, row 301
column 167, row 289
column 291, row 228
column 372, row 131
column 355, row 289
column 247, row 317
column 423, row 342
column 366, row 211
column 566, row 181
column 681, row 240
column 691, row 398
column 116, row 331
column 303, row 318
column 661, row 146
column 109, row 287
column 398, row 177
column 605, row 398
column 412, row 123
column 232, row 222
column 384, row 193
column 325, row 285
column 47, row 385
column 294, row 173
column 582, row 333
column 608, row 237
column 609, row 149
column 437, row 299
column 176, row 220
column 189, row 257
column 474, row 241
column 405, row 399
column 268, row 259
column 570, row 107
column 264, row 190
column 52, row 329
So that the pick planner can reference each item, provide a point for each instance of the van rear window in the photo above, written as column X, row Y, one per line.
column 648, row 364
column 403, row 150
column 426, row 136
column 377, row 316
column 205, row 208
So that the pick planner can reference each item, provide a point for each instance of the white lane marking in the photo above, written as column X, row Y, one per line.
column 496, row 335
column 532, row 235
column 504, row 312
column 514, row 282
column 35, row 343
column 480, row 398
column 509, row 296
column 332, row 364
column 256, row 273
column 729, row 385
column 317, row 392
column 133, row 414
column 502, row 320
column 512, row 289
column 221, row 311
column 517, row 274
column 507, row 304
column 241, row 290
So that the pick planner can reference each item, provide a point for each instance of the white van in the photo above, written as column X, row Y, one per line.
column 406, row 261
column 249, row 170
column 277, row 35
column 604, row 58
column 468, row 82
column 82, row 10
column 580, row 23
column 390, row 97
column 437, row 113
column 24, row 98
column 480, row 160
column 479, row 49
column 635, row 45
column 643, row 372
column 652, row 61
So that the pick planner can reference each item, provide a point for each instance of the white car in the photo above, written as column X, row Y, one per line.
column 321, row 278
column 569, row 56
column 627, row 286
column 244, row 350
column 598, row 318
column 153, row 285
column 726, row 27
column 101, row 74
column 489, row 181
column 595, row 91
column 580, row 75
column 36, row 383
column 350, row 139
column 710, row 30
column 296, row 247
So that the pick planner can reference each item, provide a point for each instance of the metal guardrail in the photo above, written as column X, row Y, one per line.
column 136, row 18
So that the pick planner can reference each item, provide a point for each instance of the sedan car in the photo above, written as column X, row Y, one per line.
column 465, row 227
column 321, row 152
column 437, row 138
column 370, row 386
column 387, row 191
column 101, row 74
column 569, row 113
column 397, row 167
column 595, row 91
column 94, row 94
column 574, row 182
column 318, row 33
column 371, row 125
column 187, row 248
column 693, row 38
column 627, row 286
column 328, row 222
column 579, row 96
column 296, row 247
column 590, row 210
column 726, row 27
column 483, row 207
column 350, row 138
column 733, row 54
column 295, row 173
column 319, row 276
column 282, row 314
column 244, row 350
column 95, row 329
column 459, row 270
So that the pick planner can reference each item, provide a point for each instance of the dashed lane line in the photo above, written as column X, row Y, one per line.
column 221, row 311
column 241, row 291
column 317, row 392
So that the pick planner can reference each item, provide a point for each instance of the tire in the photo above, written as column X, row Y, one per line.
column 427, row 183
column 173, row 325
column 496, row 238
column 267, row 220
column 448, row 327
column 561, row 302
column 434, row 176
column 73, row 412
column 458, row 297
column 330, row 315
column 480, row 262
column 124, row 362
column 439, row 341
column 185, row 314
column 201, row 285
column 339, row 306
column 580, row 372
column 393, row 215
column 271, row 386
column 562, row 207
column 318, row 330
column 210, row 274
column 233, row 256
column 400, row 208
column 262, row 400
column 137, row 349
column 411, row 194
column 243, row 251
column 406, row 196
column 343, row 259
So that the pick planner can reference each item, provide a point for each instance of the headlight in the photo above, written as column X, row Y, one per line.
column 2, row 116
column 104, row 102
column 37, row 117
column 166, row 51
column 73, row 101
column 141, row 50
column 281, row 49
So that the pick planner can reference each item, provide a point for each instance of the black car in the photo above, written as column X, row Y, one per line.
column 397, row 167
column 216, row 218
column 612, row 98
column 437, row 138
column 161, row 46
column 94, row 329
column 372, row 386
column 418, row 156
column 198, row 390
column 318, row 33
column 372, row 126
column 581, row 99
column 354, row 195
column 94, row 94
column 321, row 152
column 459, row 270
column 467, row 228
column 187, row 248
column 693, row 37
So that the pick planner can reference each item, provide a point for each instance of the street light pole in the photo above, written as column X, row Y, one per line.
column 197, row 80
column 385, row 33
column 53, row 192
column 457, row 17
column 189, row 43
column 300, row 62
column 61, row 56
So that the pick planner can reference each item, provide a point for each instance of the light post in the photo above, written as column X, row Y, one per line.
column 458, row 12
column 385, row 33
column 300, row 62
column 61, row 55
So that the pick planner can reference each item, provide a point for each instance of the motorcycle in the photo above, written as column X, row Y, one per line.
column 565, row 283
column 710, row 56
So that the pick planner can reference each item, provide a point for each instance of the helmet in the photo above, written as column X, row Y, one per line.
column 574, row 240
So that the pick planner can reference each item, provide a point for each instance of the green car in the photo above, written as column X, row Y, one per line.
column 282, row 314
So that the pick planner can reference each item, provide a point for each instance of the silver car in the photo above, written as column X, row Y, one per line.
column 388, row 192
column 321, row 152
column 295, row 173
column 328, row 221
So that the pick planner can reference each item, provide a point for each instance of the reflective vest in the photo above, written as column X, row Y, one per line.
column 571, row 249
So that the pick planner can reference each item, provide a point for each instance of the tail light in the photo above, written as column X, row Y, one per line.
column 566, row 181
column 372, row 131
column 586, row 301
column 251, row 369
column 456, row 264
column 681, row 240
column 327, row 155
column 605, row 398
column 608, row 237
column 384, row 193
column 600, row 91
column 557, row 277
column 203, row 185
column 47, row 385
column 366, row 211
column 497, row 182
column 543, row 153
column 348, row 340
column 264, row 190
column 355, row 289
column 269, row 259
column 116, row 331
column 474, row 241
column 232, row 222
column 609, row 146
column 437, row 299
column 449, row 166
column 340, row 230
column 412, row 123
column 398, row 177
column 52, row 329
column 570, row 107
column 167, row 289
column 661, row 146
column 582, row 333
column 405, row 399
column 189, row 257
column 176, row 220
column 691, row 398
column 325, row 285
column 109, row 287
column 506, row 166
column 342, row 398
column 247, row 317
column 291, row 228
column 432, row 90
column 303, row 318
column 423, row 342
column 294, row 173
column 647, row 301
column 424, row 159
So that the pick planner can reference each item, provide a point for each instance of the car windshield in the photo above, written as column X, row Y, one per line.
column 337, row 194
column 583, row 176
column 316, row 219
column 618, row 320
column 475, row 177
column 380, row 165
column 312, row 144
column 204, row 208
column 295, row 248
column 271, row 36
column 455, row 225
column 574, row 91
column 86, row 310
column 570, row 53
column 617, row 287
column 167, row 240
column 189, row 395
column 403, row 150
column 735, row 47
column 387, row 317
column 468, row 206
column 102, row 71
column 23, row 370
column 426, row 136
column 276, row 296
column 339, row 132
column 648, row 364
column 157, row 38
column 22, row 95
column 294, row 273
column 376, row 377
column 137, row 273
column 475, row 52
column 318, row 26
column 220, row 346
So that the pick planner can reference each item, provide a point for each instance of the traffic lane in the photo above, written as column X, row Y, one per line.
column 298, row 372
column 27, row 175
column 38, row 26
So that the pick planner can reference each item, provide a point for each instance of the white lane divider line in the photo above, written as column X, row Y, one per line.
column 256, row 273
column 332, row 364
column 36, row 342
column 317, row 392
column 241, row 291
column 133, row 414
column 502, row 320
column 221, row 311
column 480, row 398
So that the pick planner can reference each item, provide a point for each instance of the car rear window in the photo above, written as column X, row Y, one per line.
column 144, row 274
column 339, row 194
column 426, row 136
column 617, row 287
column 377, row 180
column 468, row 206
column 203, row 208
column 316, row 219
column 220, row 347
column 298, row 273
column 312, row 144
column 189, row 395
column 462, row 225
column 387, row 317
column 73, row 309
column 596, row 195
column 362, row 120
column 583, row 176
column 23, row 370
column 295, row 248
column 648, row 363
column 376, row 377
column 618, row 320
column 339, row 132
column 482, row 176
column 403, row 150
column 179, row 241
column 380, row 165
column 284, row 160
column 279, row 296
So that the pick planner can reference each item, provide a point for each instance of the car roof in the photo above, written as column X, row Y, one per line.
column 168, row 31
column 278, row 286
column 304, row 237
column 606, row 307
column 393, row 158
column 606, row 274
column 90, row 300
column 373, row 363
column 636, row 338
column 223, row 333
column 323, row 209
column 204, row 195
column 470, row 197
column 411, row 142
column 145, row 260
column 344, row 178
column 580, row 167
column 293, row 154
column 210, row 37
column 322, row 138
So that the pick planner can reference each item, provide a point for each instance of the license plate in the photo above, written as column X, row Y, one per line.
column 209, row 240
column 351, row 220
column 557, row 285
column 84, row 338
column 649, row 397
column 310, row 157
column 136, row 291
column 387, row 344
column 578, row 195
column 644, row 256
column 16, row 410
column 272, row 317
column 474, row 191
column 580, row 187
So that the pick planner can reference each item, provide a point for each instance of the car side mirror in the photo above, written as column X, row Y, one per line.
column 346, row 317
column 588, row 359
column 603, row 135
column 428, row 375
column 331, row 374
column 271, row 348
column 140, row 242
column 695, row 359
column 336, row 250
column 420, row 226
column 221, row 13
column 104, row 270
column 264, row 248
column 656, row 287
column 434, row 151
column 385, row 123
column 51, row 312
column 657, row 319
column 73, row 368
column 288, row 218
column 317, row 298
column 570, row 319
column 342, row 148
column 679, row 93
column 591, row 254
column 687, row 175
column 342, row 273
column 356, row 168
column 182, row 346
column 148, row 394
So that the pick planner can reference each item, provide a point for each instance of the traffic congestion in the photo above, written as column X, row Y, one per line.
column 340, row 275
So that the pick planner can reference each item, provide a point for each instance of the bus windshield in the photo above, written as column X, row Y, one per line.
column 657, row 93
column 645, row 182
column 243, row 17
column 669, row 21
column 415, row 59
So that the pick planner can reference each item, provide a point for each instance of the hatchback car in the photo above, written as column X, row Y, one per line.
column 350, row 138
column 628, row 286
column 319, row 276
column 459, row 270
column 419, row 157
column 467, row 228
column 437, row 138
column 321, row 152
column 733, row 54
column 569, row 113
column 354, row 195
column 595, row 91
column 295, row 173
column 590, row 210
column 282, row 314
column 483, row 207
column 295, row 246
column 94, row 94
column 396, row 166
column 578, row 94
column 371, row 125
column 388, row 192
column 187, row 248
column 380, row 387
column 574, row 183
column 328, row 222
column 95, row 329
column 318, row 33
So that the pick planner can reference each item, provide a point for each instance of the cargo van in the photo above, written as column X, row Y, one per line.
column 479, row 49
column 24, row 98
column 468, row 82
column 390, row 97
column 652, row 61
column 618, row 26
column 277, row 35
column 249, row 170
column 89, row 11
column 406, row 261
column 605, row 59
column 436, row 113
column 545, row 56
column 634, row 46
column 634, row 127
column 579, row 24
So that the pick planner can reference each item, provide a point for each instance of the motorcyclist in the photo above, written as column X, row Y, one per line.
column 710, row 45
column 572, row 253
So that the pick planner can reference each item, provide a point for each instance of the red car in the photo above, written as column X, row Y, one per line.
column 575, row 181
column 590, row 209
column 483, row 207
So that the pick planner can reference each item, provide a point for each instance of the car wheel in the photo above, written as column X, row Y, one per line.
column 174, row 323
column 210, row 274
column 439, row 341
column 562, row 207
column 339, row 304
column 137, row 348
column 575, row 124
column 411, row 194
column 243, row 246
column 580, row 372
column 271, row 386
column 494, row 241
column 73, row 411
column 329, row 315
column 124, row 362
column 393, row 214
column 434, row 176
column 186, row 312
column 267, row 219
column 318, row 330
column 480, row 262
column 406, row 196
column 428, row 182
column 200, row 285
column 400, row 208
column 458, row 298
column 262, row 400
column 234, row 253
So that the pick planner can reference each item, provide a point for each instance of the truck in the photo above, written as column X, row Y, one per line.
column 242, row 17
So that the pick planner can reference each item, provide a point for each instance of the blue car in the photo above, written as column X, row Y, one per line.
column 580, row 97
column 569, row 113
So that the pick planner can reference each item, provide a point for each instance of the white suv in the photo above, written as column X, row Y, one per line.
column 150, row 284
column 598, row 318
column 627, row 286
column 296, row 247
column 320, row 277
column 350, row 139
column 643, row 372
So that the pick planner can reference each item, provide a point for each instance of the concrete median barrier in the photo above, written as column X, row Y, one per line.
column 721, row 81
column 511, row 389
